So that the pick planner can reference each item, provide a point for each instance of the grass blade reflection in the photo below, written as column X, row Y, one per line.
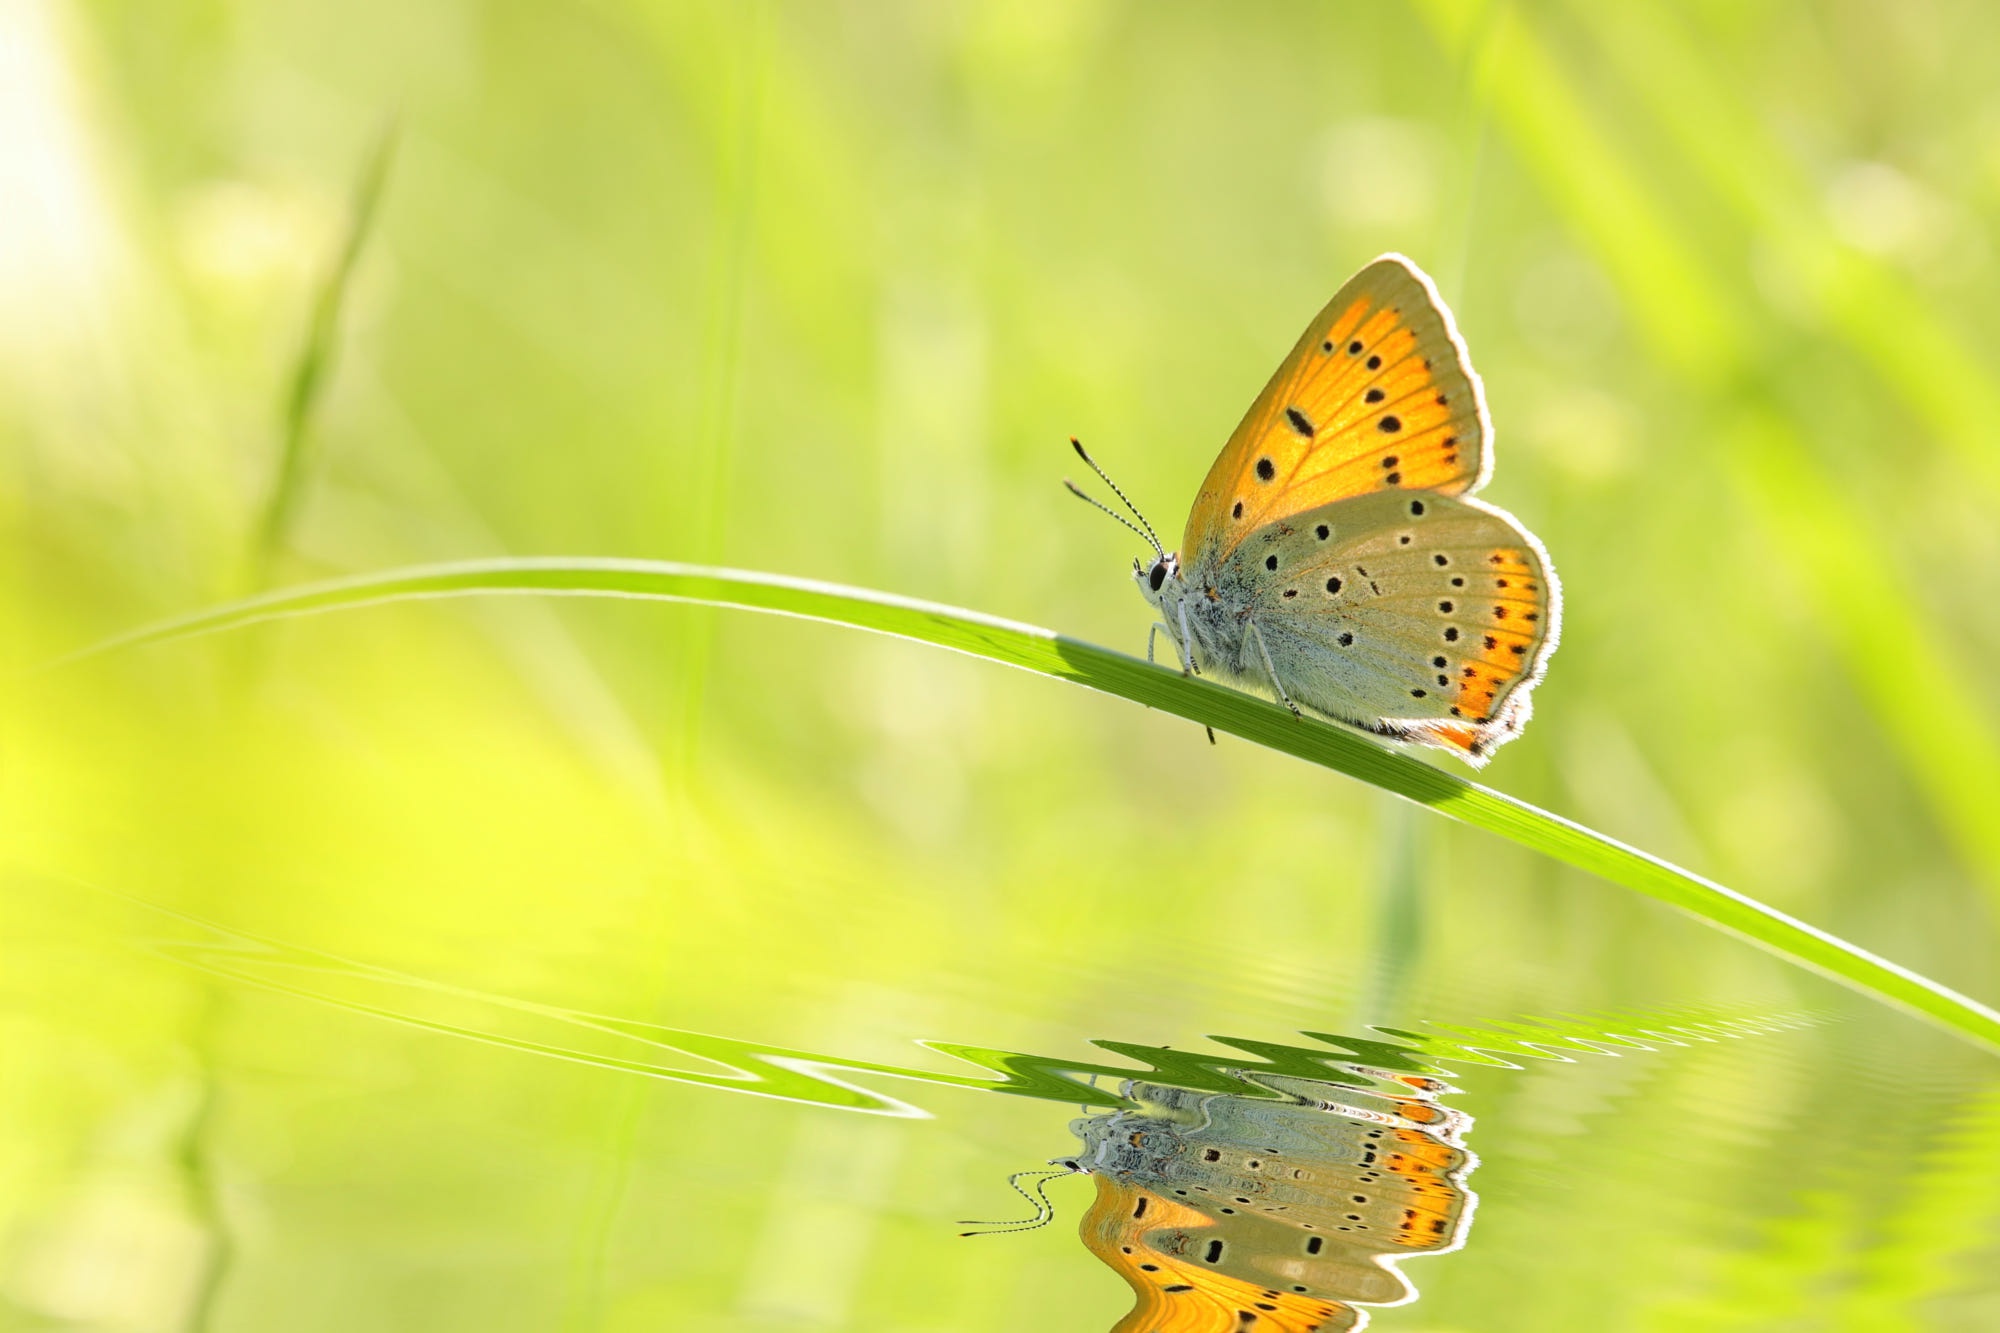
column 1246, row 1069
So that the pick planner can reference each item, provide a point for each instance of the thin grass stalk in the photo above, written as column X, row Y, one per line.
column 313, row 367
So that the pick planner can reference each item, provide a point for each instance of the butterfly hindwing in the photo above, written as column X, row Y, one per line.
column 1384, row 1189
column 1411, row 614
column 1162, row 1249
column 1377, row 395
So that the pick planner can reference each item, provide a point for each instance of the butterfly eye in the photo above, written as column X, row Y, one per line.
column 1159, row 575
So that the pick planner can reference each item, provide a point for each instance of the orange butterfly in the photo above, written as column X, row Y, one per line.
column 1237, row 1213
column 1333, row 554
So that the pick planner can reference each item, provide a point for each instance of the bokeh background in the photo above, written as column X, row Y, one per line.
column 822, row 289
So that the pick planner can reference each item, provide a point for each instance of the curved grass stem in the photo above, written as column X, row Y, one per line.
column 1199, row 700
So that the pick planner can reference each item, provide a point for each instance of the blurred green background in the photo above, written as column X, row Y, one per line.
column 822, row 289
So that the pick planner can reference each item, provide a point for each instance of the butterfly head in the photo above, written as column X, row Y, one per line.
column 1153, row 579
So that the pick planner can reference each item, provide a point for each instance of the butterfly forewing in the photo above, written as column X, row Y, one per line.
column 1377, row 395
column 1411, row 613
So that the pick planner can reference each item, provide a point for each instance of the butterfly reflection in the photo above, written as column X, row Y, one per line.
column 1231, row 1212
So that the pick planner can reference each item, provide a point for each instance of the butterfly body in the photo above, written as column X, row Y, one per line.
column 1334, row 557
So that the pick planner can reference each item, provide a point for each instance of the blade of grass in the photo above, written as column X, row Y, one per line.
column 315, row 361
column 1702, row 331
column 1884, row 319
column 736, row 174
column 1198, row 700
column 736, row 169
column 302, row 392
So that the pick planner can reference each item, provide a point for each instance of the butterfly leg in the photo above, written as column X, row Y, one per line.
column 1185, row 658
column 1186, row 645
column 1271, row 671
column 1187, row 661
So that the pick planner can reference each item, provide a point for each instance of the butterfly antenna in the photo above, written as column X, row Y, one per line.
column 1098, row 504
column 1105, row 477
column 1044, row 1210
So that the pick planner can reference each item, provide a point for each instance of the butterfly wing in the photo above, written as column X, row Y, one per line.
column 1161, row 1248
column 1328, row 1202
column 1423, row 617
column 1377, row 395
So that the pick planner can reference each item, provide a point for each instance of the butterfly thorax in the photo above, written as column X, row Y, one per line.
column 1205, row 610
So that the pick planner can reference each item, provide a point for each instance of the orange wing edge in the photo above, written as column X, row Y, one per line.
column 1476, row 742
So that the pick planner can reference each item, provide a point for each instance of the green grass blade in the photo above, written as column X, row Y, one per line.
column 1703, row 332
column 315, row 361
column 1888, row 323
column 1203, row 701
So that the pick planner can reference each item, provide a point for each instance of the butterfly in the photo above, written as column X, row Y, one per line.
column 1227, row 1212
column 1334, row 555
